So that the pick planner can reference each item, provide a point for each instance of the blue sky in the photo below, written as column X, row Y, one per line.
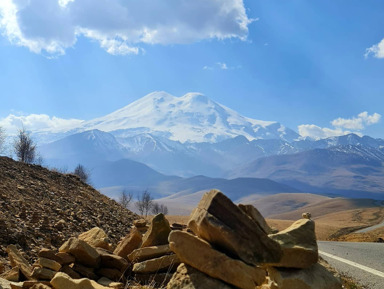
column 314, row 66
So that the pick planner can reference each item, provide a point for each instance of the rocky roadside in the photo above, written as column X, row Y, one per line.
column 40, row 208
column 223, row 246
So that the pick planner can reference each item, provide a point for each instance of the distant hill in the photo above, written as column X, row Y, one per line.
column 352, row 171
column 33, row 200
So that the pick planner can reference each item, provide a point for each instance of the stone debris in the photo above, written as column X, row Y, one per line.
column 224, row 246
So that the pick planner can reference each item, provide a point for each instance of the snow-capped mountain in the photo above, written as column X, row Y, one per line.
column 189, row 118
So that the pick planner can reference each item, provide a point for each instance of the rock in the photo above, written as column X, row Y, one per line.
column 47, row 263
column 5, row 284
column 130, row 242
column 306, row 215
column 43, row 273
column 314, row 277
column 11, row 275
column 17, row 260
column 147, row 253
column 64, row 258
column 41, row 286
column 96, row 237
column 256, row 216
column 70, row 272
column 299, row 245
column 186, row 277
column 63, row 281
column 164, row 263
column 110, row 260
column 84, row 271
column 111, row 284
column 225, row 226
column 82, row 251
column 110, row 273
column 140, row 223
column 200, row 255
column 178, row 226
column 37, row 284
column 49, row 254
column 60, row 225
column 157, row 233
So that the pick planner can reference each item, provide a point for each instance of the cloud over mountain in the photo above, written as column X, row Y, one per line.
column 119, row 26
column 341, row 126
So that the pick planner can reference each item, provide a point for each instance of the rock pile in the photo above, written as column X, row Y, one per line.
column 223, row 246
column 42, row 208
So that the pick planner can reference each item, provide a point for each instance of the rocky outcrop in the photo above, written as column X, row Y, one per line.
column 223, row 224
column 157, row 233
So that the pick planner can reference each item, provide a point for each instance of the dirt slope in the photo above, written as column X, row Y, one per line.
column 40, row 208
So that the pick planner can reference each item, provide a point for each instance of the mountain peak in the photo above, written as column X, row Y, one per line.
column 192, row 117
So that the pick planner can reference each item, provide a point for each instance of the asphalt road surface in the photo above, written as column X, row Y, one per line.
column 362, row 261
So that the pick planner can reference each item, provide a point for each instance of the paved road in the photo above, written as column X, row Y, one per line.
column 370, row 228
column 362, row 261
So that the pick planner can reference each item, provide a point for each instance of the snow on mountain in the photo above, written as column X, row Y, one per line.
column 189, row 118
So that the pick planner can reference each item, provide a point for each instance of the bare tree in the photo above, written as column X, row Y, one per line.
column 144, row 202
column 125, row 199
column 2, row 140
column 82, row 173
column 159, row 208
column 24, row 147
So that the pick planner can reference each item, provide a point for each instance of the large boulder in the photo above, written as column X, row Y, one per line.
column 314, row 277
column 63, row 281
column 130, row 242
column 82, row 251
column 299, row 245
column 186, row 277
column 164, row 263
column 157, row 233
column 17, row 260
column 200, row 255
column 223, row 224
column 96, row 237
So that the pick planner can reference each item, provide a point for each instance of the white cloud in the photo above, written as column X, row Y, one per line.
column 342, row 126
column 120, row 26
column 377, row 50
column 222, row 65
column 37, row 123
column 357, row 123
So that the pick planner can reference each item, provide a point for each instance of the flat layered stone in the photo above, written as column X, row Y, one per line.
column 43, row 273
column 164, row 263
column 110, row 273
column 157, row 233
column 47, row 263
column 109, row 283
column 314, row 277
column 223, row 224
column 187, row 277
column 84, row 271
column 49, row 254
column 130, row 242
column 299, row 245
column 17, row 260
column 82, row 251
column 63, row 281
column 110, row 260
column 200, row 255
column 147, row 253
column 64, row 258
